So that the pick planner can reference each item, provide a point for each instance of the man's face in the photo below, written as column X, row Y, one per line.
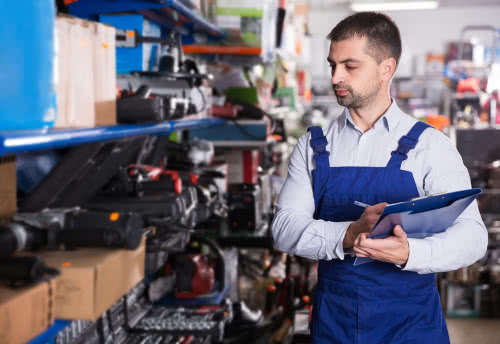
column 355, row 74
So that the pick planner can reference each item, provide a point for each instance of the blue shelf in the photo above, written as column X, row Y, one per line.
column 90, row 9
column 49, row 335
column 197, row 19
column 12, row 142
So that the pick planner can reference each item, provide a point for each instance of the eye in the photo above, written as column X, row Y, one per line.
column 351, row 67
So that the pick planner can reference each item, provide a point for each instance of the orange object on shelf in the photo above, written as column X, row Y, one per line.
column 438, row 121
column 211, row 49
column 308, row 95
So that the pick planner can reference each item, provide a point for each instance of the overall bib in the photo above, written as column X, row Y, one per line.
column 375, row 302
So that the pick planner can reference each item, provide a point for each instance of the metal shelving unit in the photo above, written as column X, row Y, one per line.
column 14, row 141
column 153, row 9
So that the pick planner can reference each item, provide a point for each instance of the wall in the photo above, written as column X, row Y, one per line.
column 422, row 32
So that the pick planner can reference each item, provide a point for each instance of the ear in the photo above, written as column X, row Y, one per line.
column 387, row 69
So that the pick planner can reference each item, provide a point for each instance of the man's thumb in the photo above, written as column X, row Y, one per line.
column 399, row 232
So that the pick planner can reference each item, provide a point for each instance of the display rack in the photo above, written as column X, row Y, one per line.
column 15, row 141
column 153, row 9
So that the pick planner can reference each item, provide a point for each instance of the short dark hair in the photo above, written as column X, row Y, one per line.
column 384, row 39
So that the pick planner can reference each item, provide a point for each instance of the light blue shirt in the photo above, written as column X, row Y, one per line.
column 435, row 164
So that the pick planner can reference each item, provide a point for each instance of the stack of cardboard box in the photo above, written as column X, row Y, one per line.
column 86, row 73
column 91, row 280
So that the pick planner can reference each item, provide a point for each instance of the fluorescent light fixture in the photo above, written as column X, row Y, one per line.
column 394, row 6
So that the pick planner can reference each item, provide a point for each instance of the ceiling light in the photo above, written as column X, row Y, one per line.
column 394, row 6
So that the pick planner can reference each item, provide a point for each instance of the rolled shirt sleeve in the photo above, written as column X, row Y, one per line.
column 466, row 240
column 294, row 229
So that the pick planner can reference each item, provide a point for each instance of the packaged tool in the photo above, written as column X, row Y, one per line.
column 180, row 321
column 245, row 212
column 70, row 228
column 159, row 209
column 81, row 174
column 21, row 271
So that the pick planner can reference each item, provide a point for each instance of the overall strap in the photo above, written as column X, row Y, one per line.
column 318, row 144
column 406, row 144
column 322, row 170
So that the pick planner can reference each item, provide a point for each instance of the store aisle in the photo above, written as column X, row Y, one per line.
column 478, row 331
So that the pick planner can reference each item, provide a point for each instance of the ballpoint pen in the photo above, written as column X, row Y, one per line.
column 361, row 204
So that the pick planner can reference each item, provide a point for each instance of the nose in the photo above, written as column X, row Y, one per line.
column 337, row 75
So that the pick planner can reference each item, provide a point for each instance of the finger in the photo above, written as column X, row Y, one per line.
column 362, row 238
column 377, row 208
column 388, row 243
column 399, row 232
column 359, row 251
column 372, row 219
column 369, row 253
column 358, row 239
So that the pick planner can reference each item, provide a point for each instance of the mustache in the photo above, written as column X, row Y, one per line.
column 343, row 86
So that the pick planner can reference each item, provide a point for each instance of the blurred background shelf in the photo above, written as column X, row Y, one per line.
column 210, row 49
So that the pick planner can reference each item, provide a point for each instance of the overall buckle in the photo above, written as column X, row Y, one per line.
column 406, row 143
column 319, row 145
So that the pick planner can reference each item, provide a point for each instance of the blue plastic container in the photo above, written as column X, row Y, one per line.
column 27, row 77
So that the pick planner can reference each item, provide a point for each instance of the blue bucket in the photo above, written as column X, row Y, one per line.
column 27, row 66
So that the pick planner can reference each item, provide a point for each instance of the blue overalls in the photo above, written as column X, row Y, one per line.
column 375, row 302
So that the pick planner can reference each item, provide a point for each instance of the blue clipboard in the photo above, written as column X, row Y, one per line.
column 422, row 217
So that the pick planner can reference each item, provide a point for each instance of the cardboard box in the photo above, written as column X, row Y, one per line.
column 27, row 312
column 92, row 280
column 104, row 72
column 86, row 73
column 75, row 83
column 8, row 183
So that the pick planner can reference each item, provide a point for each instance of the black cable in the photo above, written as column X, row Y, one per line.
column 254, row 108
column 203, row 98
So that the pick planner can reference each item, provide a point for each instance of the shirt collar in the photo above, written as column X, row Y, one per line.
column 390, row 119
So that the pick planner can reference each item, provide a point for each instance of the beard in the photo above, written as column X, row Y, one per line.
column 355, row 99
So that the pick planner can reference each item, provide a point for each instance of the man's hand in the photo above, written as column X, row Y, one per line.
column 364, row 225
column 393, row 249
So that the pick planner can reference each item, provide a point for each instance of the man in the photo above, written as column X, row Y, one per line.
column 375, row 154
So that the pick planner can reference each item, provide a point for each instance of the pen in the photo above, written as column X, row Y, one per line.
column 361, row 204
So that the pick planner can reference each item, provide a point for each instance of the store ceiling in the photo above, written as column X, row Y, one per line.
column 322, row 4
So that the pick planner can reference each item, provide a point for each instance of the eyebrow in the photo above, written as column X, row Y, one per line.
column 350, row 59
